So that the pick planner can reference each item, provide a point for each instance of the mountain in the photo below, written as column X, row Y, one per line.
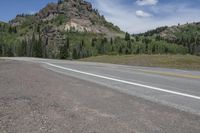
column 77, row 15
column 1, row 22
column 187, row 35
column 76, row 20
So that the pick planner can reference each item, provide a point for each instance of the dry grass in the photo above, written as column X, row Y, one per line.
column 167, row 61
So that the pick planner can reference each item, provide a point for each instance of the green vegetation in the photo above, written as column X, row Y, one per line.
column 64, row 50
column 60, row 19
column 167, row 61
column 187, row 35
column 82, row 44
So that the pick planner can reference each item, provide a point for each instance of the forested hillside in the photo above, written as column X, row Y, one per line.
column 187, row 35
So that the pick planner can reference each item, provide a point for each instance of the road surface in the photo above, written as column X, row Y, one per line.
column 40, row 95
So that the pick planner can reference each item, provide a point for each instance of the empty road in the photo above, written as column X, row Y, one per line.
column 38, row 95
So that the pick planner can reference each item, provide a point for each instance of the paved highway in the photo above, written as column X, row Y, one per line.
column 177, row 88
column 170, row 88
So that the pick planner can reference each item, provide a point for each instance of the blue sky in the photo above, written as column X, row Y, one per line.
column 10, row 8
column 130, row 15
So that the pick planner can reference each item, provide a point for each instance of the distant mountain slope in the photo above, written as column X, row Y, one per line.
column 187, row 35
column 1, row 22
column 186, row 30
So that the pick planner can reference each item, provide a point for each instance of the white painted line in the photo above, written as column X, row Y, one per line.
column 125, row 82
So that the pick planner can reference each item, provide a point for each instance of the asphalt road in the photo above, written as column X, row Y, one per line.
column 100, row 97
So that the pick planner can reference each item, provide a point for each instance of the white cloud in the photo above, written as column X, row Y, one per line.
column 32, row 12
column 146, row 2
column 142, row 14
column 125, row 17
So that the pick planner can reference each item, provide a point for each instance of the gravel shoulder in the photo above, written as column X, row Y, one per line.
column 36, row 100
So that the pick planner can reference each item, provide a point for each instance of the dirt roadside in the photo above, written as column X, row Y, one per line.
column 36, row 100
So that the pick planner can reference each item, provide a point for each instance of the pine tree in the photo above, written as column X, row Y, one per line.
column 82, row 45
column 64, row 50
column 10, row 52
column 33, row 45
column 120, row 50
column 1, row 49
column 38, row 29
column 67, row 43
column 14, row 30
column 102, row 47
column 111, row 41
column 93, row 42
column 137, row 38
column 22, row 48
column 127, row 36
column 37, row 48
column 44, row 48
column 75, row 54
column 10, row 29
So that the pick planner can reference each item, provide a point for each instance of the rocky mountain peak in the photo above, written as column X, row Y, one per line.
column 69, row 14
column 70, row 8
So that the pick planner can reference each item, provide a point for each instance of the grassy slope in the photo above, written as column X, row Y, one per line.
column 167, row 61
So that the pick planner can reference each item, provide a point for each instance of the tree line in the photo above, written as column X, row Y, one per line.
column 119, row 46
column 187, row 35
column 36, row 46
